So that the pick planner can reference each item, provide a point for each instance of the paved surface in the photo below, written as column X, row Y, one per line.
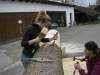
column 73, row 37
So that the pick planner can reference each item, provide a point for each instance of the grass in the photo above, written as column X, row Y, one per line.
column 88, row 23
column 94, row 23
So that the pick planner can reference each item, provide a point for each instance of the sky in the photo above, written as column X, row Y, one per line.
column 91, row 2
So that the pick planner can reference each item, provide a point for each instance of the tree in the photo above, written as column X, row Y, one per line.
column 97, row 1
column 76, row 2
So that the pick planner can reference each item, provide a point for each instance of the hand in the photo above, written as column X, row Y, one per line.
column 82, row 59
column 37, row 39
column 77, row 66
column 55, row 37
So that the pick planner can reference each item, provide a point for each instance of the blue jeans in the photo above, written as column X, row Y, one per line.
column 25, row 60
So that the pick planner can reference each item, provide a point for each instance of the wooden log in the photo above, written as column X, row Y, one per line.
column 51, row 33
column 63, row 48
column 47, row 60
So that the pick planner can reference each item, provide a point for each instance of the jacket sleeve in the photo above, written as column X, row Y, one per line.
column 96, row 69
column 45, row 40
column 82, row 72
column 27, row 35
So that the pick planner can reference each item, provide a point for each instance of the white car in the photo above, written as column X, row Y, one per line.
column 53, row 25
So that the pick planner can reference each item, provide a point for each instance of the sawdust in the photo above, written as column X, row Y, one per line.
column 68, row 66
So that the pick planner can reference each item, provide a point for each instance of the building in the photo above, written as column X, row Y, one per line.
column 95, row 7
column 16, row 15
column 85, row 15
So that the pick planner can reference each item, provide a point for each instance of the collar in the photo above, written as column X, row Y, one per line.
column 35, row 25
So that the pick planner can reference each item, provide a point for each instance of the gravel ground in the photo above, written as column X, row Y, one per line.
column 68, row 66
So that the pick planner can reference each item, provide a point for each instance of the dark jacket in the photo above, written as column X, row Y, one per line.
column 31, row 32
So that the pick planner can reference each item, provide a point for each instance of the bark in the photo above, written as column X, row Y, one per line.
column 55, row 67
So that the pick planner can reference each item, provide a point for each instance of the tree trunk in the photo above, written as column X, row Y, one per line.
column 50, row 51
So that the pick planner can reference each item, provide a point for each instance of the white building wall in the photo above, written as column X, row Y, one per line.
column 15, row 6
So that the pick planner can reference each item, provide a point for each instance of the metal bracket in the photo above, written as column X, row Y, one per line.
column 42, row 59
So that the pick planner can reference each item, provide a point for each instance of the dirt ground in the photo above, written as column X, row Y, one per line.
column 68, row 66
